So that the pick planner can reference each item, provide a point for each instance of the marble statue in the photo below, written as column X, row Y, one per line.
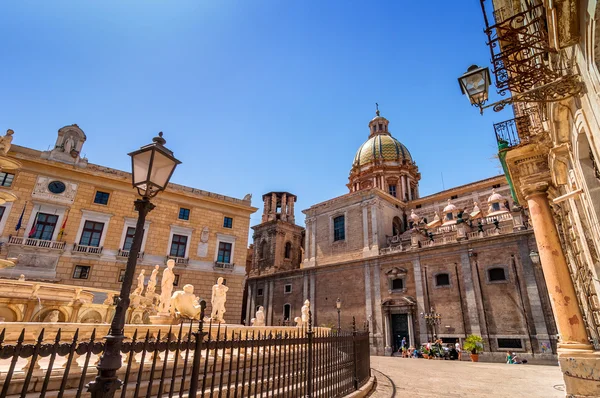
column 166, row 288
column 52, row 317
column 219, row 296
column 22, row 278
column 260, row 317
column 185, row 303
column 298, row 321
column 5, row 142
column 152, row 282
column 140, row 286
column 69, row 144
column 305, row 310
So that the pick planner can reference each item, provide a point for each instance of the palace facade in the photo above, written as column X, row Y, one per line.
column 391, row 256
column 73, row 223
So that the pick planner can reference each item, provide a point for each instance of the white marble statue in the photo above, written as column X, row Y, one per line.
column 152, row 282
column 140, row 286
column 185, row 303
column 52, row 317
column 22, row 278
column 260, row 317
column 305, row 310
column 69, row 144
column 298, row 321
column 5, row 142
column 219, row 296
column 166, row 288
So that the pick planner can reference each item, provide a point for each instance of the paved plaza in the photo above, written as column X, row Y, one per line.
column 420, row 378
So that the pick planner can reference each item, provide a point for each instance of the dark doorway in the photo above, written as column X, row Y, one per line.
column 399, row 330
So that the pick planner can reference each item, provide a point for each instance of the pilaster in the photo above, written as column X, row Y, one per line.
column 420, row 299
column 467, row 279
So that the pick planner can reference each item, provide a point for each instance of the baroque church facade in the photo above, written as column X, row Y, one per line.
column 392, row 256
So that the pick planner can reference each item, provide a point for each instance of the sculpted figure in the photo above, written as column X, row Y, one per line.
column 260, row 317
column 22, row 278
column 69, row 144
column 219, row 296
column 305, row 310
column 185, row 303
column 52, row 317
column 166, row 288
column 5, row 142
column 204, row 235
column 298, row 321
column 152, row 282
column 140, row 286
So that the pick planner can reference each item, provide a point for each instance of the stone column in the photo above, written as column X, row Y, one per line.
column 291, row 217
column 411, row 330
column 563, row 298
column 253, row 301
column 420, row 298
column 368, row 303
column 273, row 209
column 284, row 207
column 313, row 242
column 266, row 209
column 265, row 301
column 374, row 227
column 365, row 221
column 472, row 314
column 409, row 190
column 377, row 327
column 388, row 334
column 313, row 303
column 270, row 308
column 403, row 180
column 249, row 304
column 307, row 241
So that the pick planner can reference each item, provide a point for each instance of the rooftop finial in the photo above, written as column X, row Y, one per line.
column 377, row 109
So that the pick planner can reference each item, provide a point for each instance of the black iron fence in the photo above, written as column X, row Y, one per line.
column 193, row 360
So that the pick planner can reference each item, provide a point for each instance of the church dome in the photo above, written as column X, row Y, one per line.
column 381, row 147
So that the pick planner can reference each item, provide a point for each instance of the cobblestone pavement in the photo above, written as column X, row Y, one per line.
column 421, row 378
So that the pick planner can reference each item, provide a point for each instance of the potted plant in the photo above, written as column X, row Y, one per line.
column 425, row 352
column 473, row 344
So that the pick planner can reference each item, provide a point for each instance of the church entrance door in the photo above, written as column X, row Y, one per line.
column 399, row 330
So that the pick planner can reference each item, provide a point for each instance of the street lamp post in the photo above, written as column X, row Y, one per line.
column 432, row 319
column 338, row 305
column 152, row 168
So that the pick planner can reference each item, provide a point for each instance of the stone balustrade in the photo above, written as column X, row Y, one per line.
column 40, row 243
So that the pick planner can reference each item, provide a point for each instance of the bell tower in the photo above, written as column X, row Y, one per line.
column 277, row 239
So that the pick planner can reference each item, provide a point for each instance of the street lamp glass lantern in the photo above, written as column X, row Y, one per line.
column 338, row 303
column 475, row 82
column 535, row 257
column 152, row 167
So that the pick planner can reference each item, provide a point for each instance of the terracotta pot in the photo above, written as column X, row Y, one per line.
column 425, row 356
column 474, row 357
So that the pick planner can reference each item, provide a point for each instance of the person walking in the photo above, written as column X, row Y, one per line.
column 457, row 347
column 403, row 347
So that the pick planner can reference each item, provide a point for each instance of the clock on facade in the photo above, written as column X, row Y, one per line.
column 57, row 187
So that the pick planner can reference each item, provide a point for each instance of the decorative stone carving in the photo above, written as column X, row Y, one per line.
column 152, row 282
column 68, row 146
column 22, row 278
column 5, row 142
column 248, row 197
column 110, row 299
column 204, row 235
column 260, row 317
column 305, row 310
column 51, row 317
column 185, row 303
column 41, row 191
column 140, row 286
column 298, row 321
column 219, row 297
column 166, row 288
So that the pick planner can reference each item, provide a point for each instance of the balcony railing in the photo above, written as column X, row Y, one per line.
column 94, row 250
column 44, row 244
column 223, row 266
column 178, row 260
column 125, row 254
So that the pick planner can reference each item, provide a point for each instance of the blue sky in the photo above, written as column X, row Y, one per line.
column 252, row 95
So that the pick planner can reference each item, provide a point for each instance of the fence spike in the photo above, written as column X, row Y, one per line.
column 2, row 335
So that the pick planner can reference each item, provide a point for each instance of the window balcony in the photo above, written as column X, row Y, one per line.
column 91, row 250
column 39, row 243
column 125, row 254
column 178, row 260
column 223, row 266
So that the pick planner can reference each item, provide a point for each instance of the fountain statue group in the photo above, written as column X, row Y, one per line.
column 183, row 304
column 301, row 321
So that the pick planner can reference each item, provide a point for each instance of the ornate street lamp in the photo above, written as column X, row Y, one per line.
column 535, row 257
column 338, row 305
column 432, row 319
column 153, row 166
column 475, row 82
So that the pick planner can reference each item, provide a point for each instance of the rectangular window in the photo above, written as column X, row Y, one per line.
column 6, row 179
column 496, row 206
column 2, row 210
column 259, row 292
column 418, row 206
column 397, row 284
column 228, row 222
column 392, row 190
column 287, row 288
column 121, row 275
column 178, row 245
column 43, row 228
column 454, row 197
column 339, row 232
column 510, row 343
column 101, row 198
column 81, row 272
column 92, row 232
column 176, row 280
column 129, row 238
column 224, row 255
column 184, row 214
column 496, row 186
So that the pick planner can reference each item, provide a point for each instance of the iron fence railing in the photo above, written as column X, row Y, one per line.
column 193, row 360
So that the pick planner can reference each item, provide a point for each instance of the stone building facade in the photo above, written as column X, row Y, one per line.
column 77, row 222
column 464, row 253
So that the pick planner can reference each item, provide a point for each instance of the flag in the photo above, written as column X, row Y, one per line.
column 18, row 226
column 62, row 228
column 34, row 226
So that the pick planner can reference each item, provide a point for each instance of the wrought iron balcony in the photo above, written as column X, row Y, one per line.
column 94, row 250
column 43, row 244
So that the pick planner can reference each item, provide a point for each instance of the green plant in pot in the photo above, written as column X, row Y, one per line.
column 473, row 344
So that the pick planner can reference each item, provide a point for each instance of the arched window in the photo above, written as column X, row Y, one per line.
column 396, row 226
column 263, row 250
column 442, row 279
column 287, row 312
column 288, row 250
column 496, row 274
